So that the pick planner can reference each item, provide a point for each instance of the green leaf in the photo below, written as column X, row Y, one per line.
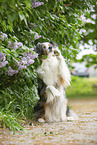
column 4, row 25
column 22, row 17
column 12, row 17
column 10, row 28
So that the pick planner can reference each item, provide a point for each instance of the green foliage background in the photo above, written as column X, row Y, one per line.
column 30, row 22
column 82, row 88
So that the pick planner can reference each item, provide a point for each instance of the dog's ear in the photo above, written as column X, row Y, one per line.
column 52, row 43
column 38, row 49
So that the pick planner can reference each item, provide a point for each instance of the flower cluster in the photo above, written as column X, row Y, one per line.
column 3, row 61
column 24, row 59
column 60, row 0
column 11, row 72
column 37, row 36
column 3, row 36
column 37, row 4
column 14, row 45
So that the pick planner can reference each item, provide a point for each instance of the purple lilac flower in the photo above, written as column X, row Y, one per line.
column 26, row 60
column 19, row 44
column 14, row 45
column 37, row 4
column 9, row 44
column 37, row 36
column 2, row 64
column 20, row 56
column 32, row 49
column 30, row 61
column 30, row 55
column 21, row 66
column 3, row 36
column 3, row 61
column 11, row 72
column 2, row 56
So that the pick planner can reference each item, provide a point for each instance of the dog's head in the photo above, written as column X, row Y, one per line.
column 43, row 49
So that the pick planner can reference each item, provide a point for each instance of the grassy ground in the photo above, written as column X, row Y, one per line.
column 82, row 88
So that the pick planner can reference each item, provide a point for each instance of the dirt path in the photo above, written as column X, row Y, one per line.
column 82, row 132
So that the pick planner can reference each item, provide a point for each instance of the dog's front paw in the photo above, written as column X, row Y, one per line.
column 41, row 120
column 51, row 93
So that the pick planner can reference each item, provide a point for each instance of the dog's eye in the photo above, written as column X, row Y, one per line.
column 50, row 48
column 43, row 46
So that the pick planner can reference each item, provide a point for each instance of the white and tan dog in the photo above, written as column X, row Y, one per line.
column 53, row 77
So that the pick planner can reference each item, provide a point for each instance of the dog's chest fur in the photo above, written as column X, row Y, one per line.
column 48, row 71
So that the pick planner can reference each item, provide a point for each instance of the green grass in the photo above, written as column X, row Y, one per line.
column 10, row 121
column 82, row 87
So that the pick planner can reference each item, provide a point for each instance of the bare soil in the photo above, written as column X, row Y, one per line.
column 81, row 132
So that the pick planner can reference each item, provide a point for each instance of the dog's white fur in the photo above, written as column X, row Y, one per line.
column 55, row 74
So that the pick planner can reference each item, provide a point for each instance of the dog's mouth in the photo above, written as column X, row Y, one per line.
column 43, row 55
column 56, row 53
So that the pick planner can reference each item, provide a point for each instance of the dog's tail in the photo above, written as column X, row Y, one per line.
column 64, row 73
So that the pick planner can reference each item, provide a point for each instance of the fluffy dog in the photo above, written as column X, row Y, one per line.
column 53, row 77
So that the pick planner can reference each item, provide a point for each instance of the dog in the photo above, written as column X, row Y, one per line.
column 53, row 77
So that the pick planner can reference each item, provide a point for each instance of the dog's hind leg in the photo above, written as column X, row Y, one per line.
column 71, row 115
